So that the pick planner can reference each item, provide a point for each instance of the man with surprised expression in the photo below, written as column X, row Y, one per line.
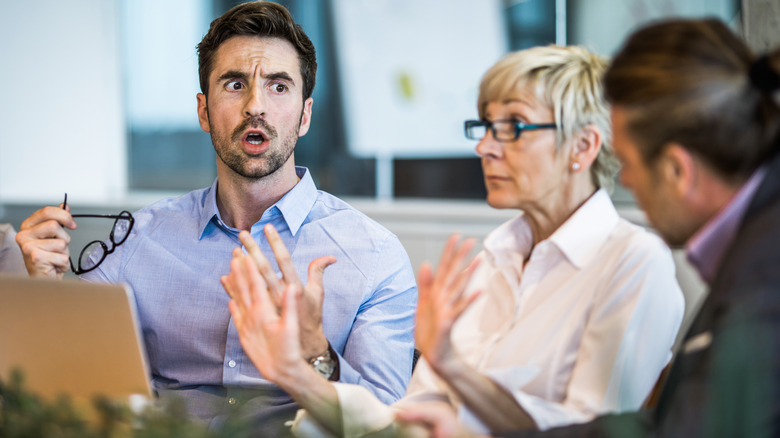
column 255, row 110
column 257, row 70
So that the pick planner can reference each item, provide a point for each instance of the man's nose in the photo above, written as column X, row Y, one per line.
column 254, row 105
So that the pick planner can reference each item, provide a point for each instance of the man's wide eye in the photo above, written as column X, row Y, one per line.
column 234, row 85
column 280, row 88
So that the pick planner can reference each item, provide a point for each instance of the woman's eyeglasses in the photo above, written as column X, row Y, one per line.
column 502, row 130
column 96, row 251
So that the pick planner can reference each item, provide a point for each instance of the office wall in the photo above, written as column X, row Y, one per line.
column 61, row 122
column 603, row 25
column 760, row 21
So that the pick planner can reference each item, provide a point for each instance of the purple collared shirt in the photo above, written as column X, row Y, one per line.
column 707, row 247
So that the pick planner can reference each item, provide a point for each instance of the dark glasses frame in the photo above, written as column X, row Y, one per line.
column 106, row 250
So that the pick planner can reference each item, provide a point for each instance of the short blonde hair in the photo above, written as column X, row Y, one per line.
column 568, row 81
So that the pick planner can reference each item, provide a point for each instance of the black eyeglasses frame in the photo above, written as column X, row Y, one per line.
column 123, row 215
column 468, row 125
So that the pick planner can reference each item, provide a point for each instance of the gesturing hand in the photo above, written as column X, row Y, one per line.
column 441, row 301
column 269, row 336
column 312, row 339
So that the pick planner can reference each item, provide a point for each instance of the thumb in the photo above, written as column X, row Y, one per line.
column 317, row 268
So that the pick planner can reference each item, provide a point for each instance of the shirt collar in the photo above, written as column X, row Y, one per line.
column 294, row 206
column 510, row 243
column 209, row 209
column 298, row 202
column 707, row 247
column 579, row 238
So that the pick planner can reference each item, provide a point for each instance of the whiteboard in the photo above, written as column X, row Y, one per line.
column 410, row 72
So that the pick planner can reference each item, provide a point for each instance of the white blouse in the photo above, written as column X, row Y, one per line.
column 585, row 328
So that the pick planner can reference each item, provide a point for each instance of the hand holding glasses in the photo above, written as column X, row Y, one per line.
column 502, row 130
column 96, row 251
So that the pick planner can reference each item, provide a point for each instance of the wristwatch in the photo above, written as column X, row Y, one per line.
column 326, row 364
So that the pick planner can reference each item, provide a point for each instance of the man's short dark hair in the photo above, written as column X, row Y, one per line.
column 261, row 19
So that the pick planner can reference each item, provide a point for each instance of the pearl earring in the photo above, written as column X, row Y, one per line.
column 575, row 166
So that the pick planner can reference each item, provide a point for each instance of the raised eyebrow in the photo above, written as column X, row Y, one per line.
column 281, row 75
column 232, row 74
column 235, row 74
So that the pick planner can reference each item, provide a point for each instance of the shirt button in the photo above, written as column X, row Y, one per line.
column 232, row 363
column 232, row 401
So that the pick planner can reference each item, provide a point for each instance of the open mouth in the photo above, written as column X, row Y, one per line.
column 255, row 138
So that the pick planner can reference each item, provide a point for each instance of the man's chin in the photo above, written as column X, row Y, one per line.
column 252, row 168
column 675, row 244
column 254, row 173
column 673, row 240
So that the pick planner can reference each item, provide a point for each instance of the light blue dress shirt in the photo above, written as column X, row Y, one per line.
column 179, row 248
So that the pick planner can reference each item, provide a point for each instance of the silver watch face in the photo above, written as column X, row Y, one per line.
column 324, row 365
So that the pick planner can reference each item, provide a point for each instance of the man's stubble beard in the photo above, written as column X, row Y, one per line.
column 229, row 149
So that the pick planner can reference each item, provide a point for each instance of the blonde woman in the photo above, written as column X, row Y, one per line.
column 569, row 311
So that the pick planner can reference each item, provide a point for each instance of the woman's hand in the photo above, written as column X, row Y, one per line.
column 270, row 331
column 312, row 338
column 270, row 338
column 441, row 302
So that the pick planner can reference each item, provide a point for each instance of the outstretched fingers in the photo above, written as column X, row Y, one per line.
column 282, row 255
column 275, row 285
column 235, row 284
column 460, row 273
column 250, row 294
column 452, row 275
column 447, row 257
column 459, row 282
column 260, row 297
column 425, row 279
column 290, row 311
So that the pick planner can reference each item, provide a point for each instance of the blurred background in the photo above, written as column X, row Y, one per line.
column 99, row 95
column 98, row 100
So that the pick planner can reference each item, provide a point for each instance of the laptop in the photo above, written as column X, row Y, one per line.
column 72, row 337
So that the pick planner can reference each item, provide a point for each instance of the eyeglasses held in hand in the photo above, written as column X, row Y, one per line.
column 96, row 251
column 502, row 130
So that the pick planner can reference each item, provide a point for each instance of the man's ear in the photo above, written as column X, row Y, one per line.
column 203, row 112
column 679, row 168
column 586, row 147
column 305, row 117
